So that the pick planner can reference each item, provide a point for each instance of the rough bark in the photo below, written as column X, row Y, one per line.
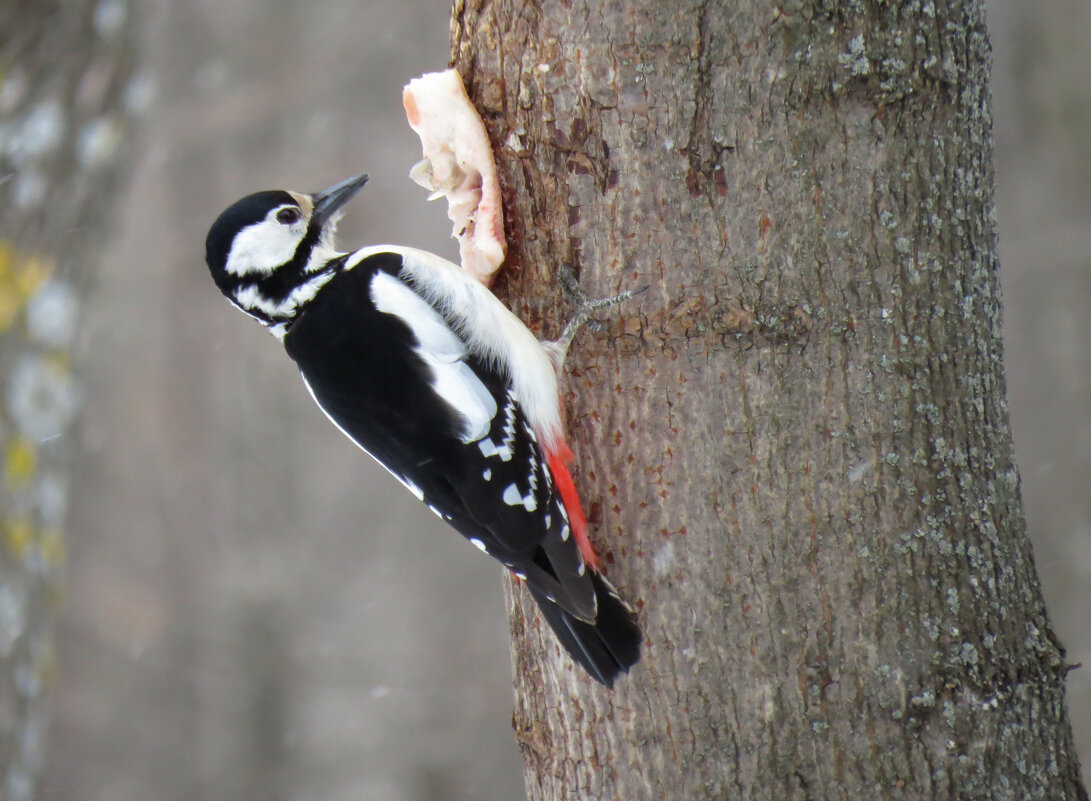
column 795, row 447
column 64, row 78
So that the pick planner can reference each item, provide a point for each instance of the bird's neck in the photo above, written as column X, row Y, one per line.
column 277, row 306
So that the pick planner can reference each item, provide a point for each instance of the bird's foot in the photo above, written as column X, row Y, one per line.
column 566, row 275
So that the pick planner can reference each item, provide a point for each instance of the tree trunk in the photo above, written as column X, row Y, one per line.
column 795, row 448
column 65, row 70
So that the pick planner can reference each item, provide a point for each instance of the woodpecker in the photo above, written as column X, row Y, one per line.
column 427, row 371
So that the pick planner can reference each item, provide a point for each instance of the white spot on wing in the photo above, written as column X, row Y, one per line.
column 533, row 476
column 512, row 497
column 503, row 451
column 506, row 449
column 565, row 533
column 487, row 475
column 478, row 544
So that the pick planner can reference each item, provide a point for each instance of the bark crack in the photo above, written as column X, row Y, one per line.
column 706, row 176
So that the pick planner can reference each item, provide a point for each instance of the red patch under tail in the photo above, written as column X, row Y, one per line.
column 562, row 479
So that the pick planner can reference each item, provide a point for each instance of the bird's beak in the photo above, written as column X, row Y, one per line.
column 328, row 201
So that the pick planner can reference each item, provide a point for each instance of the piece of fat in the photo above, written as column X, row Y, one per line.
column 458, row 164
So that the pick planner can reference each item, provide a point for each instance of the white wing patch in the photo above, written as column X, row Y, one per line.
column 443, row 352
column 488, row 329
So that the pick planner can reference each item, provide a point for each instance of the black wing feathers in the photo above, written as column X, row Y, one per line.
column 351, row 361
column 361, row 367
column 607, row 648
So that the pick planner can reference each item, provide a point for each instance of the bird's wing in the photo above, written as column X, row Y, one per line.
column 440, row 348
column 489, row 330
column 391, row 372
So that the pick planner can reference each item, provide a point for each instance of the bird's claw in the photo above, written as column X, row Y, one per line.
column 566, row 275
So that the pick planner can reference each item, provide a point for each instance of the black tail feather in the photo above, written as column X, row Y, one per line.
column 606, row 649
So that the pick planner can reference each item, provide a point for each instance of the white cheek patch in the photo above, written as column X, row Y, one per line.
column 261, row 248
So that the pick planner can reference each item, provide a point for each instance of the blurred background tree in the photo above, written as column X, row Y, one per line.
column 294, row 625
column 66, row 93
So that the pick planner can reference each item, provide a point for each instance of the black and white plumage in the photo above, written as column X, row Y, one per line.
column 421, row 366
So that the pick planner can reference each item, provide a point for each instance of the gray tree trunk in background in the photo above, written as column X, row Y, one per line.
column 64, row 81
column 795, row 448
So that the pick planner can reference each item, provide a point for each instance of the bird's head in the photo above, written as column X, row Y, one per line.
column 270, row 252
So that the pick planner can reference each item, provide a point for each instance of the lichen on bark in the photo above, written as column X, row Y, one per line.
column 66, row 96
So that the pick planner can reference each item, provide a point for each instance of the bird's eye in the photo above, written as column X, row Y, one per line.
column 288, row 216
